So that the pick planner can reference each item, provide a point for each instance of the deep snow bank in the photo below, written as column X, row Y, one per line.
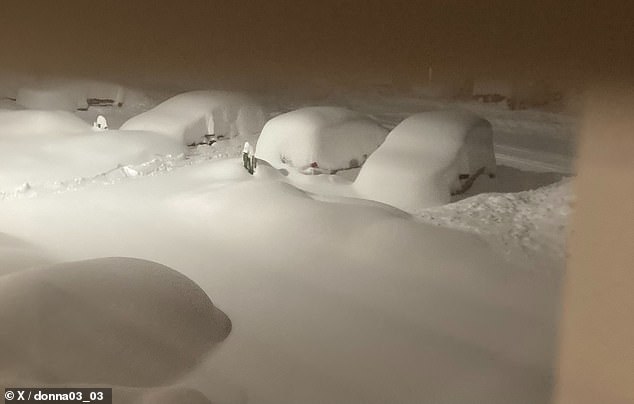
column 534, row 223
column 331, row 302
column 328, row 138
column 32, row 125
column 37, row 159
column 16, row 255
column 426, row 158
column 112, row 321
column 52, row 146
column 190, row 116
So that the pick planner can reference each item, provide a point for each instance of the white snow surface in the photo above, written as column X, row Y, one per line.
column 332, row 298
column 335, row 138
column 531, row 223
column 16, row 254
column 45, row 146
column 190, row 116
column 136, row 323
column 331, row 302
column 419, row 163
column 34, row 125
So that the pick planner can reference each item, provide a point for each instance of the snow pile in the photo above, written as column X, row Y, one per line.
column 16, row 254
column 109, row 321
column 73, row 175
column 426, row 158
column 190, row 116
column 36, row 125
column 38, row 160
column 533, row 223
column 321, row 138
column 46, row 146
column 331, row 302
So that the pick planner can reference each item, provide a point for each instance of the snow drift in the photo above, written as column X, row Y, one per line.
column 27, row 124
column 532, row 223
column 320, row 138
column 426, row 158
column 113, row 321
column 331, row 302
column 190, row 116
column 16, row 254
column 38, row 160
column 44, row 146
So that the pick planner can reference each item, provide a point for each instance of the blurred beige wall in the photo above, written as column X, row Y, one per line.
column 596, row 363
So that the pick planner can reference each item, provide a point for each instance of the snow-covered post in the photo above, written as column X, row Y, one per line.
column 100, row 124
column 253, row 160
column 248, row 158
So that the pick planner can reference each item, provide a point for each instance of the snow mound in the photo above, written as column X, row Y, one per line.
column 70, row 95
column 16, row 255
column 533, row 222
column 29, row 124
column 397, row 298
column 38, row 160
column 190, row 116
column 426, row 158
column 51, row 98
column 112, row 320
column 321, row 138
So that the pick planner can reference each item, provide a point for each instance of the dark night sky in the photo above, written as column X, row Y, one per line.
column 276, row 41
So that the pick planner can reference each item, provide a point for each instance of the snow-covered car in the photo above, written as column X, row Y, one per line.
column 427, row 158
column 196, row 116
column 320, row 139
column 71, row 95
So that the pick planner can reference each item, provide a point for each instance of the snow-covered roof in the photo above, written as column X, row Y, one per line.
column 334, row 138
column 421, row 159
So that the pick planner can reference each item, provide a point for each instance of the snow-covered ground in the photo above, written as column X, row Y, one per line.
column 332, row 298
